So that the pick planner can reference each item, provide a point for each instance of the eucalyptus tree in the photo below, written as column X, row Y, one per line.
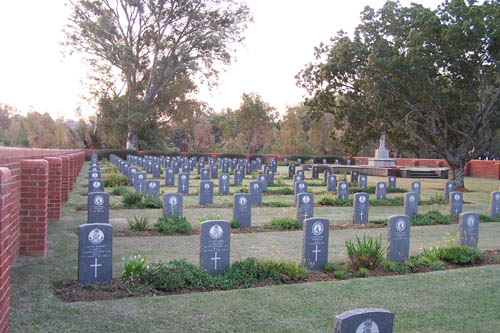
column 427, row 78
column 137, row 47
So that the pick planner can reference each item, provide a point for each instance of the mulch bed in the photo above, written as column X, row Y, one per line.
column 256, row 229
column 71, row 291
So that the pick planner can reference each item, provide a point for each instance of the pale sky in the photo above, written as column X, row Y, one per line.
column 280, row 42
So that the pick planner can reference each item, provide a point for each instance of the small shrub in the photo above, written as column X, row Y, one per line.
column 133, row 267
column 460, row 255
column 121, row 191
column 151, row 202
column 429, row 218
column 173, row 224
column 341, row 275
column 438, row 199
column 340, row 271
column 282, row 191
column 279, row 182
column 488, row 218
column 362, row 273
column 395, row 201
column 326, row 201
column 235, row 224
column 366, row 253
column 284, row 223
column 132, row 199
column 275, row 204
column 210, row 217
column 139, row 223
column 242, row 190
column 245, row 273
column 115, row 180
column 291, row 271
column 388, row 265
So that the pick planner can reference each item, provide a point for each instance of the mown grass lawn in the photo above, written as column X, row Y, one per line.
column 464, row 300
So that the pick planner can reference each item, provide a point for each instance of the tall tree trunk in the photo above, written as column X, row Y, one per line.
column 458, row 173
column 132, row 138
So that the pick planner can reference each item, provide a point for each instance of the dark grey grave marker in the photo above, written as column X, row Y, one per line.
column 263, row 179
column 298, row 178
column 495, row 204
column 411, row 204
column 98, row 207
column 305, row 206
column 399, row 238
column 300, row 173
column 96, row 185
column 416, row 187
column 139, row 181
column 131, row 175
column 364, row 321
column 291, row 170
column 242, row 210
column 448, row 188
column 469, row 229
column 343, row 190
column 156, row 170
column 214, row 245
column 152, row 188
column 456, row 200
column 354, row 176
column 270, row 177
column 183, row 183
column 94, row 175
column 256, row 192
column 172, row 204
column 169, row 177
column 214, row 171
column 299, row 187
column 95, row 253
column 238, row 177
column 361, row 205
column 326, row 174
column 205, row 174
column 206, row 192
column 315, row 243
column 363, row 181
column 381, row 190
column 331, row 183
column 315, row 172
column 392, row 181
column 223, row 183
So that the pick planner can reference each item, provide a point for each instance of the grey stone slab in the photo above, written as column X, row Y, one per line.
column 95, row 253
column 93, row 175
column 343, row 190
column 299, row 187
column 270, row 177
column 169, row 177
column 411, row 204
column 364, row 321
column 326, row 174
column 205, row 174
column 242, row 210
column 416, row 187
column 468, row 228
column 381, row 190
column 315, row 172
column 156, row 170
column 96, row 185
column 298, row 178
column 299, row 161
column 301, row 173
column 291, row 170
column 448, row 188
column 361, row 205
column 263, row 179
column 315, row 243
column 98, row 207
column 305, row 206
column 391, row 181
column 131, row 175
column 176, row 166
column 183, row 183
column 215, row 245
column 223, row 183
column 456, row 202
column 206, row 192
column 495, row 203
column 398, row 237
column 152, row 188
column 172, row 204
column 331, row 183
column 363, row 182
column 185, row 168
column 354, row 176
column 140, row 181
column 324, row 161
column 255, row 193
column 238, row 177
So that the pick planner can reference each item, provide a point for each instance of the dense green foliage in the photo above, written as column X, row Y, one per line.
column 173, row 224
column 366, row 252
column 284, row 223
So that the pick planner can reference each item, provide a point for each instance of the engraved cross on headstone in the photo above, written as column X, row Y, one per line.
column 215, row 258
column 316, row 253
column 95, row 265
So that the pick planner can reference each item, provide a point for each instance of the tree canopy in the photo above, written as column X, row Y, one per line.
column 427, row 78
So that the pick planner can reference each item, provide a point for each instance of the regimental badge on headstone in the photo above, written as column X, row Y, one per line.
column 96, row 185
column 305, row 206
column 411, row 204
column 364, row 321
column 242, row 210
column 399, row 238
column 94, row 175
column 214, row 245
column 315, row 243
column 95, row 253
column 98, row 207
column 361, row 205
column 456, row 200
column 468, row 227
column 172, row 204
column 206, row 192
column 153, row 188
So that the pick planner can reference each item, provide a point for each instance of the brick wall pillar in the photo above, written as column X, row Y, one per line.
column 5, row 245
column 81, row 157
column 54, row 188
column 65, row 178
column 71, row 171
column 34, row 207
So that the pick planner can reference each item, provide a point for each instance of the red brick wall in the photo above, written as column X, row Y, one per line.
column 483, row 169
column 34, row 207
column 54, row 188
column 6, row 204
column 65, row 179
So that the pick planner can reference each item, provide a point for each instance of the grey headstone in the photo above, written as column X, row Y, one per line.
column 298, row 178
column 469, row 229
column 411, row 204
column 172, row 204
column 456, row 200
column 169, row 177
column 364, row 321
column 417, row 188
column 315, row 172
column 214, row 171
column 343, row 190
column 206, row 192
column 131, row 175
column 299, row 187
column 153, row 188
column 256, row 193
column 324, row 161
column 495, row 204
column 361, row 205
column 98, row 207
column 156, row 170
column 291, row 170
column 354, row 176
column 263, row 179
column 223, row 183
column 238, row 177
column 94, row 175
column 305, row 206
column 270, row 177
column 326, row 174
column 301, row 173
column 183, row 183
column 140, row 181
column 299, row 161
column 95, row 253
column 448, row 188
column 315, row 243
column 214, row 245
column 392, row 181
column 381, row 190
column 96, row 185
column 398, row 237
column 242, row 210
column 363, row 181
column 331, row 184
column 205, row 174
